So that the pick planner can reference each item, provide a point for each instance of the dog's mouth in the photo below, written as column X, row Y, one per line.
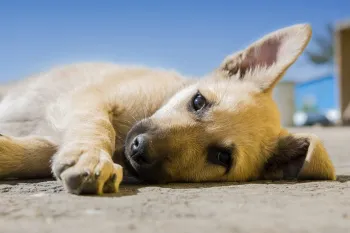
column 130, row 170
column 143, row 173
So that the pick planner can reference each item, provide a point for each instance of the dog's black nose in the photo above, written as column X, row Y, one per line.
column 139, row 149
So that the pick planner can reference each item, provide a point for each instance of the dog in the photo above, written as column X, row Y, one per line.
column 90, row 125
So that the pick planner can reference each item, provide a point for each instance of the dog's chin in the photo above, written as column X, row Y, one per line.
column 152, row 174
column 129, row 169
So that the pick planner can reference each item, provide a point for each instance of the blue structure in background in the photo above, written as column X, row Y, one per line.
column 322, row 92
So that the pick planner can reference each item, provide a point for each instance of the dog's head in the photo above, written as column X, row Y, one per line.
column 226, row 127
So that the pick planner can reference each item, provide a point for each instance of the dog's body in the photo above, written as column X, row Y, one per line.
column 159, row 125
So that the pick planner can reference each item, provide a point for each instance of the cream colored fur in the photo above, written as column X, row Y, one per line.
column 75, row 117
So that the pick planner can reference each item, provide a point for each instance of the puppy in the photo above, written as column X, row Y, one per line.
column 85, row 123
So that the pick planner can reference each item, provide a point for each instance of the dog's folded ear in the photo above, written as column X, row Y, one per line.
column 299, row 156
column 265, row 61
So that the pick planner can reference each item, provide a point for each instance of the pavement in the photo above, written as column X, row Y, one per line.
column 42, row 205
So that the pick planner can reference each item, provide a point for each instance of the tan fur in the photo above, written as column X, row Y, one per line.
column 85, row 113
column 316, row 160
column 25, row 157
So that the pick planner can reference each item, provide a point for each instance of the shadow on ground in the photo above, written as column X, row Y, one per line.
column 131, row 187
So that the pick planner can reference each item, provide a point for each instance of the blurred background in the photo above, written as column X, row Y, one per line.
column 191, row 37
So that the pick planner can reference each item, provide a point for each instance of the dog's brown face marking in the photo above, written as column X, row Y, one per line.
column 225, row 127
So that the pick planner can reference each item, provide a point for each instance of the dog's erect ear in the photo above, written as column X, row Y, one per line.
column 265, row 61
column 299, row 156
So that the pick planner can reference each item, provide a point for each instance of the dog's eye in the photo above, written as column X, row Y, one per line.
column 224, row 157
column 220, row 156
column 198, row 102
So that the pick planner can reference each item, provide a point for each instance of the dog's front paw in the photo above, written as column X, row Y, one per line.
column 91, row 171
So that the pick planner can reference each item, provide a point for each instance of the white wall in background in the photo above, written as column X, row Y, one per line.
column 284, row 97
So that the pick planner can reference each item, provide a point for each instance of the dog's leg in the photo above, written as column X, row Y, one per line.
column 25, row 157
column 84, row 161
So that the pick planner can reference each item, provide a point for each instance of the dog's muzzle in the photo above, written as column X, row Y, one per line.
column 138, row 159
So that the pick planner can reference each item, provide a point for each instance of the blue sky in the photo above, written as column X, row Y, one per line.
column 190, row 36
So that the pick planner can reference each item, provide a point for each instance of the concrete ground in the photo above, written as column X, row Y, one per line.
column 42, row 206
